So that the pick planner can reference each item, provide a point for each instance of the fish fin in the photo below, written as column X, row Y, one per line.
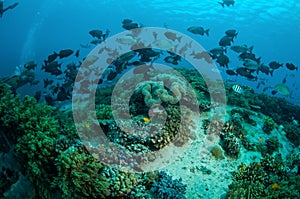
column 271, row 73
column 222, row 4
column 251, row 48
column 236, row 34
column 258, row 60
column 207, row 32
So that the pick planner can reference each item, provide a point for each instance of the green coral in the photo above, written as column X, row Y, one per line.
column 79, row 175
column 292, row 133
column 247, row 182
column 36, row 148
column 266, row 179
column 272, row 145
column 268, row 125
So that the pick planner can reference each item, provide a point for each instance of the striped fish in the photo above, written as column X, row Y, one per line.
column 237, row 88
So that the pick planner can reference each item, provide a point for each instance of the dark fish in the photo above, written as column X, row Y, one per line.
column 225, row 41
column 65, row 53
column 231, row 72
column 62, row 95
column 52, row 57
column 217, row 51
column 275, row 65
column 251, row 64
column 130, row 26
column 172, row 59
column 77, row 53
column 284, row 79
column 198, row 30
column 244, row 56
column 245, row 73
column 127, row 56
column 274, row 92
column 111, row 75
column 30, row 65
column 47, row 82
column 147, row 54
column 38, row 95
column 53, row 68
column 265, row 69
column 231, row 33
column 145, row 58
column 136, row 63
column 96, row 33
column 226, row 2
column 241, row 48
column 223, row 60
column 291, row 66
column 126, row 21
column 96, row 41
column 49, row 100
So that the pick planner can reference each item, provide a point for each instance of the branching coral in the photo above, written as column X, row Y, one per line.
column 79, row 175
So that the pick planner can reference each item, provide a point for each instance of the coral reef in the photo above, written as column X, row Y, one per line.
column 266, row 179
column 268, row 125
column 231, row 144
column 272, row 145
column 79, row 175
column 56, row 162
column 292, row 133
column 166, row 187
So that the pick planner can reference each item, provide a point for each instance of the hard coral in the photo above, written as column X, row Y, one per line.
column 268, row 125
column 265, row 179
column 292, row 133
column 166, row 187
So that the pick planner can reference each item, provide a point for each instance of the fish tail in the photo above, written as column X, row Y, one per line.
column 46, row 63
column 207, row 32
column 59, row 55
column 251, row 48
column 222, row 4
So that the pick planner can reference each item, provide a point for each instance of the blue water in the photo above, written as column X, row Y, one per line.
column 34, row 29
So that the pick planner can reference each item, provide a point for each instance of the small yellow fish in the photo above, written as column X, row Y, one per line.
column 275, row 186
column 261, row 139
column 87, row 126
column 147, row 120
